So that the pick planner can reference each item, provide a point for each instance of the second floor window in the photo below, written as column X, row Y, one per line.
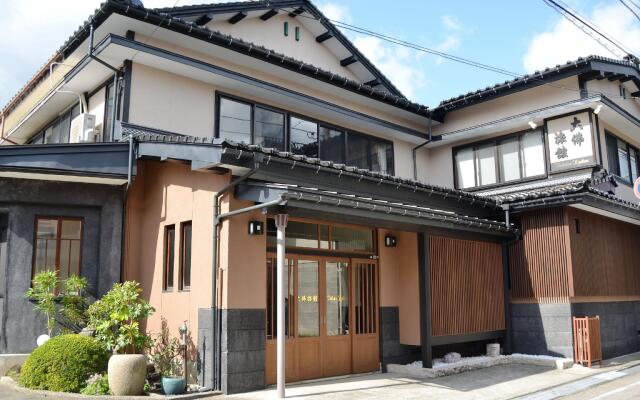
column 500, row 160
column 244, row 122
column 624, row 159
column 169, row 257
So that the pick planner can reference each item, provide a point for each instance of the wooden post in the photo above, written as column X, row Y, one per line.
column 425, row 299
column 507, row 298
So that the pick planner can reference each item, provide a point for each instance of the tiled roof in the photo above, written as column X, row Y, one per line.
column 176, row 24
column 524, row 80
column 561, row 187
column 142, row 134
column 372, row 204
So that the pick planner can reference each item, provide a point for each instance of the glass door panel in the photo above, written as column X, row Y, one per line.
column 337, row 292
column 308, row 299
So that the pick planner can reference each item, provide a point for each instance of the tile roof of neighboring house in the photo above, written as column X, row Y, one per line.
column 179, row 25
column 593, row 64
column 143, row 134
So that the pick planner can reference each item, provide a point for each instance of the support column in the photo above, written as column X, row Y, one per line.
column 281, row 225
column 425, row 299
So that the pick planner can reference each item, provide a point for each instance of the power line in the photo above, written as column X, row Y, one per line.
column 630, row 9
column 462, row 60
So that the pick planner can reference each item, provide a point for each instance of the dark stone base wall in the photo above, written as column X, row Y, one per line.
column 205, row 347
column 542, row 329
column 619, row 325
column 548, row 328
column 391, row 350
column 243, row 345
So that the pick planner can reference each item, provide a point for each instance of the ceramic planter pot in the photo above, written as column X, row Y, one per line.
column 172, row 385
column 127, row 374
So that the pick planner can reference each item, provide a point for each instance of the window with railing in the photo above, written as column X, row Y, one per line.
column 58, row 245
column 247, row 122
column 501, row 160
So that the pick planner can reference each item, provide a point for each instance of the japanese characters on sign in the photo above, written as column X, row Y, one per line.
column 570, row 142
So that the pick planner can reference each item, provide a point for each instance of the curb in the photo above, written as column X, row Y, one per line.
column 64, row 395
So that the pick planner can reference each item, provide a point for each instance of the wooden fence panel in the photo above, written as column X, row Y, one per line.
column 466, row 286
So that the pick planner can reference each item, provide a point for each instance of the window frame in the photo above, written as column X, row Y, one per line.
column 287, row 127
column 165, row 258
column 58, row 239
column 181, row 267
column 611, row 136
column 495, row 142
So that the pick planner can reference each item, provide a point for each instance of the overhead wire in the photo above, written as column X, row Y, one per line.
column 630, row 9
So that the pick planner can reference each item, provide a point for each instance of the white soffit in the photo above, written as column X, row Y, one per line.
column 607, row 214
column 63, row 178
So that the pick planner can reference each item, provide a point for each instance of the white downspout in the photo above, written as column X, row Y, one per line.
column 281, row 225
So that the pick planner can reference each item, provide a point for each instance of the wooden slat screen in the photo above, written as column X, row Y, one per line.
column 539, row 266
column 365, row 306
column 467, row 293
column 604, row 255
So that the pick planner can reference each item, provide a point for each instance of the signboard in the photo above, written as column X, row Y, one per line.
column 570, row 142
column 636, row 188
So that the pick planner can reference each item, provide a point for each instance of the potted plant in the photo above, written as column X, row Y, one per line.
column 167, row 360
column 116, row 320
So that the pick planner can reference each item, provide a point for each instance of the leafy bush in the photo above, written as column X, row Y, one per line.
column 116, row 318
column 166, row 352
column 44, row 293
column 63, row 364
column 97, row 384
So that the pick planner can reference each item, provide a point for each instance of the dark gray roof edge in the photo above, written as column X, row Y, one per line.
column 191, row 10
column 178, row 25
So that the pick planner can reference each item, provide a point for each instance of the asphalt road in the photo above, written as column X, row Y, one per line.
column 625, row 388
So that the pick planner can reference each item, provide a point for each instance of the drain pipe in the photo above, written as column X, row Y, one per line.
column 214, row 270
column 116, row 75
column 414, row 150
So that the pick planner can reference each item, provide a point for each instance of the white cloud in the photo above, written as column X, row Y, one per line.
column 451, row 22
column 336, row 12
column 564, row 41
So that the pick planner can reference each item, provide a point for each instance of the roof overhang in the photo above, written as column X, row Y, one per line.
column 115, row 50
column 102, row 163
column 315, row 203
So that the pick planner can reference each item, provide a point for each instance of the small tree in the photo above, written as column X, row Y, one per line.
column 74, row 304
column 116, row 318
column 43, row 293
column 165, row 352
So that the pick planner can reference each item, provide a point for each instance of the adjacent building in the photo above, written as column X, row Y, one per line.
column 169, row 146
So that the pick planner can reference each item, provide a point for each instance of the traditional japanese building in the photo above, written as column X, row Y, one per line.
column 173, row 147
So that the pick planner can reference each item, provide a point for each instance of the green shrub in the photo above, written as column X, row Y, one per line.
column 63, row 364
column 97, row 385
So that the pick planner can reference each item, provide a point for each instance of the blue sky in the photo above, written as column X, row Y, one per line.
column 519, row 36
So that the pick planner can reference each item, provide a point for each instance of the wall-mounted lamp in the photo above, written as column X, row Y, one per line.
column 533, row 125
column 598, row 109
column 256, row 228
column 390, row 241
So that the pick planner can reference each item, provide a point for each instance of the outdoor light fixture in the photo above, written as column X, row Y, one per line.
column 256, row 228
column 598, row 109
column 390, row 241
column 533, row 125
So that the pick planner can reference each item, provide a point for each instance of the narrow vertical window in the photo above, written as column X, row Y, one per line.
column 509, row 160
column 465, row 168
column 533, row 160
column 185, row 255
column 286, row 28
column 623, row 160
column 169, row 252
column 235, row 121
column 486, row 164
column 297, row 33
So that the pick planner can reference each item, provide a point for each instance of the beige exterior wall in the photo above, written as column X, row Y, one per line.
column 270, row 34
column 611, row 90
column 399, row 282
column 164, row 194
column 163, row 100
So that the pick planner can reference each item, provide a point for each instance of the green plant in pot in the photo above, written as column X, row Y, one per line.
column 167, row 359
column 116, row 320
